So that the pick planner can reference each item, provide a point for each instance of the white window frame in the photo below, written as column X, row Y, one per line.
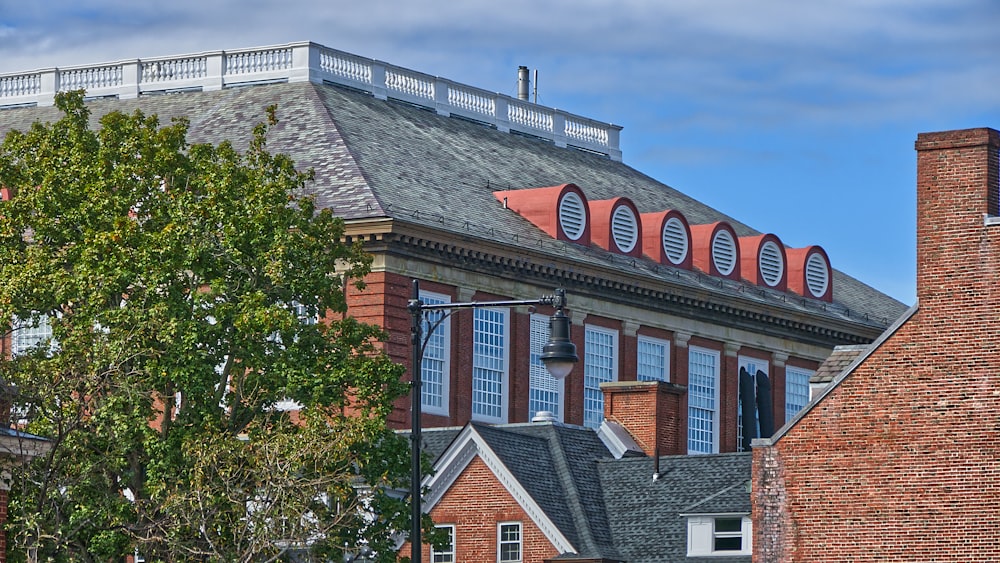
column 752, row 365
column 702, row 535
column 595, row 373
column 709, row 402
column 27, row 335
column 663, row 356
column 793, row 373
column 445, row 556
column 540, row 381
column 440, row 353
column 481, row 365
column 501, row 542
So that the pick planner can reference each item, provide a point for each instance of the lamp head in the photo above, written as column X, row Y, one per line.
column 559, row 353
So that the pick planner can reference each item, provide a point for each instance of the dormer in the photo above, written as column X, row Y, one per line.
column 561, row 211
column 763, row 261
column 715, row 250
column 666, row 238
column 617, row 227
column 809, row 273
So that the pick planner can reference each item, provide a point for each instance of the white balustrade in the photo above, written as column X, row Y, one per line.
column 91, row 78
column 409, row 83
column 259, row 61
column 308, row 61
column 188, row 68
column 14, row 86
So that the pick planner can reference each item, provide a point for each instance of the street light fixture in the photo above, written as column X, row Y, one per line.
column 558, row 356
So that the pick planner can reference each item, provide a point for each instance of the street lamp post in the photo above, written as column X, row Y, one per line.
column 558, row 355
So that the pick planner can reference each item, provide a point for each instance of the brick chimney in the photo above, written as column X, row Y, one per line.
column 958, row 222
column 650, row 411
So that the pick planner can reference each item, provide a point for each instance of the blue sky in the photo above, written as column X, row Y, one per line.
column 797, row 118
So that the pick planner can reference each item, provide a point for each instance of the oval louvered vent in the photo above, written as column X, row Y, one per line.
column 771, row 264
column 817, row 275
column 724, row 252
column 572, row 216
column 675, row 240
column 624, row 228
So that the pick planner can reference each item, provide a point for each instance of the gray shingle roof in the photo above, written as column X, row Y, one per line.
column 375, row 158
column 840, row 358
column 645, row 514
column 610, row 508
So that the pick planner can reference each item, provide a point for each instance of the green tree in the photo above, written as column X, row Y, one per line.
column 175, row 278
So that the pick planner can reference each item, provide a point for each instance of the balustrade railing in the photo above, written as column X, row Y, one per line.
column 300, row 62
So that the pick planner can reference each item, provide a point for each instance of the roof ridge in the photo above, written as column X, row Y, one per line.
column 573, row 497
column 740, row 483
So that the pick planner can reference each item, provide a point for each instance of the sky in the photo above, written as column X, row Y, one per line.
column 796, row 118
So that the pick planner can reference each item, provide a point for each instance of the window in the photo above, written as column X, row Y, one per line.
column 624, row 228
column 544, row 392
column 728, row 535
column 435, row 367
column 796, row 390
column 722, row 535
column 509, row 542
column 28, row 334
column 724, row 252
column 652, row 359
column 447, row 554
column 572, row 216
column 752, row 365
column 489, row 365
column 703, row 400
column 600, row 365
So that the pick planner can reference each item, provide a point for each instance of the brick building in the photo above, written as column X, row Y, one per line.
column 548, row 491
column 898, row 459
column 481, row 196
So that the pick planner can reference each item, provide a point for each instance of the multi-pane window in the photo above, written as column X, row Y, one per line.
column 728, row 534
column 544, row 391
column 652, row 359
column 600, row 366
column 703, row 400
column 796, row 390
column 447, row 553
column 719, row 535
column 752, row 365
column 509, row 542
column 28, row 334
column 489, row 365
column 435, row 369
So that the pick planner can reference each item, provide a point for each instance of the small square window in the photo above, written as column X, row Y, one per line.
column 728, row 534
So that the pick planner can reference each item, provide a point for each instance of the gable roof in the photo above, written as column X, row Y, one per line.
column 387, row 160
column 606, row 508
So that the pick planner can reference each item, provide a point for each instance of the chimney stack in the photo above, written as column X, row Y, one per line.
column 523, row 83
column 650, row 412
column 958, row 221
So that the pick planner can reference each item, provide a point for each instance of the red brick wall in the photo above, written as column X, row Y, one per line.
column 650, row 411
column 474, row 504
column 901, row 461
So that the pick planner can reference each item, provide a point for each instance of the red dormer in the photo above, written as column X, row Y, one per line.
column 809, row 273
column 666, row 238
column 617, row 227
column 763, row 261
column 561, row 211
column 715, row 250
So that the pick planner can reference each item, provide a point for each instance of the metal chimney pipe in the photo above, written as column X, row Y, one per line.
column 523, row 83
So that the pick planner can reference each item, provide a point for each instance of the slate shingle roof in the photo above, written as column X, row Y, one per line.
column 839, row 359
column 612, row 508
column 375, row 158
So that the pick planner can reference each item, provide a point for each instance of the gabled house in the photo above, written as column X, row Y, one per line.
column 549, row 491
column 898, row 457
